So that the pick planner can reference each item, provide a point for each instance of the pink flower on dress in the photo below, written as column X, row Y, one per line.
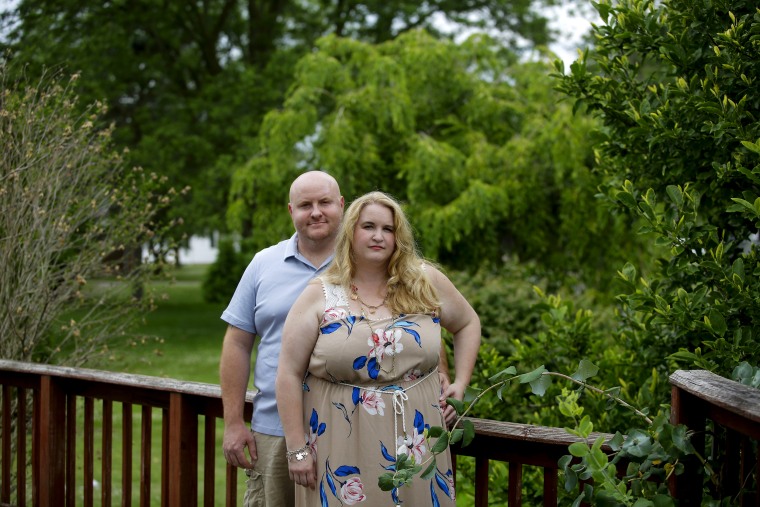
column 373, row 402
column 332, row 314
column 413, row 444
column 385, row 342
column 352, row 491
column 412, row 374
column 450, row 481
column 311, row 441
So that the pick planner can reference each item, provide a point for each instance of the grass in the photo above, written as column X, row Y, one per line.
column 186, row 334
column 183, row 341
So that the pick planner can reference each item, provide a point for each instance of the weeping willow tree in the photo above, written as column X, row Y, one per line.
column 487, row 160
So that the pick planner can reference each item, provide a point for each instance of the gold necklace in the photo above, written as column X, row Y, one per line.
column 372, row 308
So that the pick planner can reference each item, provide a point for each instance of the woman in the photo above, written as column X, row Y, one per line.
column 356, row 383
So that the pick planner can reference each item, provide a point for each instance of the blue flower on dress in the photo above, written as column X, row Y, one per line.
column 445, row 482
column 335, row 318
column 406, row 326
column 317, row 429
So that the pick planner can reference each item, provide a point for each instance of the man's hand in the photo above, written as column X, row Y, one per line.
column 237, row 437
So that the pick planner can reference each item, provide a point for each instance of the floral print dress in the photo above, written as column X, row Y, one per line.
column 369, row 393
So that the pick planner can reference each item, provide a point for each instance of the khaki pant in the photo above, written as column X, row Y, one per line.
column 268, row 483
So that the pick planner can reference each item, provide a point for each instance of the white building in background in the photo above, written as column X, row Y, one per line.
column 201, row 250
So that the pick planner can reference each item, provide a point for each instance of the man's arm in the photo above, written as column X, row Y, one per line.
column 234, row 372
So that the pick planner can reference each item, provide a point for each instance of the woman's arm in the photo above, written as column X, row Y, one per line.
column 299, row 336
column 459, row 318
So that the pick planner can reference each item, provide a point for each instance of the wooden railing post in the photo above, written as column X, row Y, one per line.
column 51, row 452
column 685, row 409
column 183, row 452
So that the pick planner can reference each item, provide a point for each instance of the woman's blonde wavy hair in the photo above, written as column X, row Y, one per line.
column 409, row 289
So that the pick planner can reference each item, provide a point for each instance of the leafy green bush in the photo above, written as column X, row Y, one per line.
column 675, row 84
column 223, row 275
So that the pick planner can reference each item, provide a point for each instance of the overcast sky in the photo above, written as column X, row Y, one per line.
column 572, row 27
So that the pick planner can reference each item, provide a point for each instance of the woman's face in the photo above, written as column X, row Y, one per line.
column 374, row 235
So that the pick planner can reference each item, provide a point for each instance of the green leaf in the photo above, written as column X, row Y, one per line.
column 745, row 204
column 579, row 449
column 456, row 435
column 470, row 393
column 585, row 427
column 457, row 404
column 638, row 443
column 661, row 500
column 626, row 198
column 571, row 480
column 540, row 385
column 616, row 443
column 469, row 432
column 647, row 210
column 531, row 376
column 429, row 472
column 755, row 147
column 738, row 268
column 385, row 481
column 680, row 439
column 716, row 322
column 586, row 369
column 441, row 444
column 628, row 273
column 507, row 372
column 675, row 194
column 435, row 431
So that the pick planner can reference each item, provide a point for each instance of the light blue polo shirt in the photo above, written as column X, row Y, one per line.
column 270, row 285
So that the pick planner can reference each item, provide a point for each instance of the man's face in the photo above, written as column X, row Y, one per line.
column 316, row 207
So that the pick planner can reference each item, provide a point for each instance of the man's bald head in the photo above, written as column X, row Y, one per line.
column 316, row 208
column 312, row 179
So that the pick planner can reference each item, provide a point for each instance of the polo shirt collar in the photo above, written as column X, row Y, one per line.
column 291, row 251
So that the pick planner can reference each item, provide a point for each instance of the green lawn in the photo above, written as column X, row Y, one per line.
column 187, row 334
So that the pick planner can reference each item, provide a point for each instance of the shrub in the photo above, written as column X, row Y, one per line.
column 223, row 275
column 69, row 212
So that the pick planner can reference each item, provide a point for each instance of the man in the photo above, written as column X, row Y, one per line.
column 270, row 285
column 267, row 290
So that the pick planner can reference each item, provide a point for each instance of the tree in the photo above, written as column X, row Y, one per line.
column 676, row 88
column 69, row 213
column 187, row 83
column 474, row 142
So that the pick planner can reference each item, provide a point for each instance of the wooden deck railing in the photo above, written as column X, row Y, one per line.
column 63, row 399
column 518, row 445
column 45, row 409
column 733, row 411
